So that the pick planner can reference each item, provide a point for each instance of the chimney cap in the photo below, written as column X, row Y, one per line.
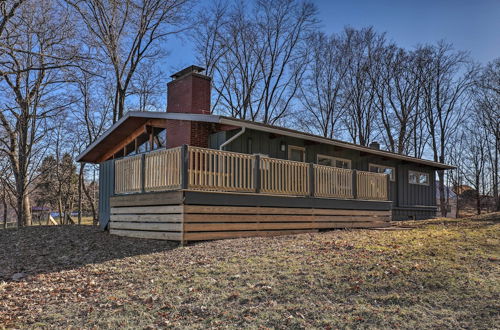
column 189, row 69
column 375, row 145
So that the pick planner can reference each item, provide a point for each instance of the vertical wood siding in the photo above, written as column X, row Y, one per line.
column 106, row 184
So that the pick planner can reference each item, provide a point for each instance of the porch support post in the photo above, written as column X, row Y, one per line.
column 184, row 166
column 143, row 172
column 256, row 173
column 354, row 184
column 311, row 180
column 388, row 186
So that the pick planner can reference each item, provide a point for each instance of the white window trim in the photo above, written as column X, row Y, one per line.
column 417, row 174
column 292, row 147
column 391, row 177
column 334, row 159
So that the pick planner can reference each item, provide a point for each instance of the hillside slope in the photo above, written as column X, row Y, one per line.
column 440, row 273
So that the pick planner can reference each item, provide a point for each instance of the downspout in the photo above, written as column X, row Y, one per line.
column 237, row 135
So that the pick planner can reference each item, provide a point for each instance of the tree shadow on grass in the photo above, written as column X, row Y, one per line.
column 43, row 249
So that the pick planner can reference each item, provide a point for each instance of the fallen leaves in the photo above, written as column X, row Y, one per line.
column 434, row 275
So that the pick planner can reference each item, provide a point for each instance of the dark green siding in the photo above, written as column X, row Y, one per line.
column 106, row 190
column 407, row 198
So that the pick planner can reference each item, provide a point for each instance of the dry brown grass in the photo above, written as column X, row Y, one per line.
column 442, row 273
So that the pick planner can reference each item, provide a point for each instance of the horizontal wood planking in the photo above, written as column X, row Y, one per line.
column 148, row 209
column 161, row 226
column 147, row 217
column 149, row 199
column 237, row 234
column 276, row 210
column 215, row 218
column 172, row 236
column 204, row 227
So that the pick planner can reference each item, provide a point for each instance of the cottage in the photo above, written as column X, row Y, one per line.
column 189, row 175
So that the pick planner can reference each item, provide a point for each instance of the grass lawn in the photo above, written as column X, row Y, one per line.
column 441, row 273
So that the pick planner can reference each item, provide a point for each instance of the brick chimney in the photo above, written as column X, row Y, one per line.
column 189, row 91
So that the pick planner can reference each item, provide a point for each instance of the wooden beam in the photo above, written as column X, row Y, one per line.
column 123, row 144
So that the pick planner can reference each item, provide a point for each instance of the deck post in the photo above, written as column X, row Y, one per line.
column 256, row 173
column 184, row 166
column 388, row 185
column 354, row 184
column 143, row 173
column 311, row 180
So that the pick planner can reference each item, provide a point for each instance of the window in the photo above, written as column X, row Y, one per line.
column 415, row 177
column 383, row 169
column 333, row 161
column 159, row 138
column 297, row 154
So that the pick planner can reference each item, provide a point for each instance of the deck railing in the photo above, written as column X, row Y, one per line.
column 286, row 177
column 128, row 175
column 332, row 182
column 162, row 170
column 372, row 185
column 210, row 169
column 197, row 168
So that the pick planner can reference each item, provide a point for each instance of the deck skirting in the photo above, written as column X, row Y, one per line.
column 193, row 216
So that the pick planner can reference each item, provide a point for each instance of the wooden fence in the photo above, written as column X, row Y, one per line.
column 284, row 176
column 332, row 182
column 162, row 170
column 128, row 175
column 210, row 169
column 372, row 185
column 216, row 170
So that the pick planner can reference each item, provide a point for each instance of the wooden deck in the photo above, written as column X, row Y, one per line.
column 194, row 215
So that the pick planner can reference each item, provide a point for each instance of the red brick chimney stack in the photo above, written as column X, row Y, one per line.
column 189, row 91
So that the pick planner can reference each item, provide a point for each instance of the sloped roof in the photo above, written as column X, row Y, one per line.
column 123, row 126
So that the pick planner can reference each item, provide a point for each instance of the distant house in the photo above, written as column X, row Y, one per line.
column 186, row 175
column 451, row 198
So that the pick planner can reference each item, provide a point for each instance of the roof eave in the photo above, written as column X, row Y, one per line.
column 319, row 139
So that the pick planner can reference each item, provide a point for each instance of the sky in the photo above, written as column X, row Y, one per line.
column 471, row 25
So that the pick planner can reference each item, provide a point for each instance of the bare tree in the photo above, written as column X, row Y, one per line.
column 321, row 92
column 475, row 162
column 361, row 113
column 395, row 79
column 148, row 88
column 487, row 105
column 256, row 56
column 91, row 115
column 35, row 47
column 128, row 32
column 445, row 98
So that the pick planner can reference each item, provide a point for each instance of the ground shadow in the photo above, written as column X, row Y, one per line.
column 43, row 249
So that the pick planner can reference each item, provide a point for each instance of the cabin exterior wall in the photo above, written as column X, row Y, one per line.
column 106, row 191
column 409, row 201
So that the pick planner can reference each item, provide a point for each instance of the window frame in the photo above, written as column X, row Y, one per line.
column 293, row 147
column 418, row 173
column 334, row 159
column 392, row 177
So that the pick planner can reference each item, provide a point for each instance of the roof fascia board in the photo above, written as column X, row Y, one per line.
column 228, row 121
column 149, row 114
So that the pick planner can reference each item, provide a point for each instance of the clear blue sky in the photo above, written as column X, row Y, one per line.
column 471, row 25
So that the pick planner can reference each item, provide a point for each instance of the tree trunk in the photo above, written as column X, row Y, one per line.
column 442, row 199
column 4, row 203
column 496, row 193
column 61, row 212
column 478, row 202
column 80, row 179
column 92, row 206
